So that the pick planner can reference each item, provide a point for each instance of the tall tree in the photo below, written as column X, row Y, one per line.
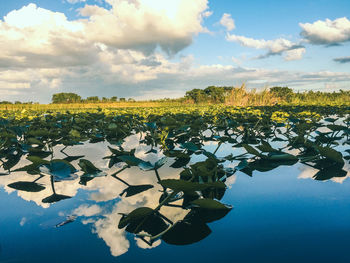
column 65, row 98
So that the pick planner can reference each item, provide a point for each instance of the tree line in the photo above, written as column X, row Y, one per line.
column 274, row 95
column 238, row 96
column 17, row 102
column 65, row 97
column 228, row 95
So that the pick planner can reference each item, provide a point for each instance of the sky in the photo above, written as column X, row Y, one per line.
column 148, row 49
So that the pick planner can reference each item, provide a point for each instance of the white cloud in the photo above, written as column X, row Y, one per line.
column 49, row 39
column 207, row 13
column 327, row 32
column 75, row 1
column 144, row 24
column 17, row 85
column 116, row 45
column 85, row 210
column 294, row 54
column 273, row 47
column 31, row 16
column 227, row 21
column 119, row 49
column 307, row 172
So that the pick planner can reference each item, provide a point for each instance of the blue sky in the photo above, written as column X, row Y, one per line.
column 151, row 48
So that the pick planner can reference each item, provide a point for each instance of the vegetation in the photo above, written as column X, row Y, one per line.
column 234, row 96
column 229, row 96
column 261, row 139
column 65, row 98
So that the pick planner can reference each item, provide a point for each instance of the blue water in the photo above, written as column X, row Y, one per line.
column 279, row 216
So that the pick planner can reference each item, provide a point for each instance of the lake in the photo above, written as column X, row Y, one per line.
column 213, row 200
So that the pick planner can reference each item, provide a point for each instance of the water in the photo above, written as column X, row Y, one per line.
column 282, row 215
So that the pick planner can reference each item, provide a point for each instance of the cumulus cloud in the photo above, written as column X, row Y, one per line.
column 86, row 210
column 327, row 32
column 342, row 60
column 273, row 47
column 48, row 38
column 116, row 45
column 119, row 49
column 144, row 25
column 227, row 21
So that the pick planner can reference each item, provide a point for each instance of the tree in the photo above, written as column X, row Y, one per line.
column 212, row 93
column 92, row 99
column 217, row 94
column 197, row 95
column 65, row 98
column 114, row 99
column 122, row 99
column 282, row 92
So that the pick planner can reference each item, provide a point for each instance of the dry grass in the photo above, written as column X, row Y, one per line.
column 241, row 97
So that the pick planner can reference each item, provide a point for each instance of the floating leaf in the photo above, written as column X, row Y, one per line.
column 243, row 164
column 160, row 162
column 206, row 203
column 59, row 169
column 55, row 198
column 331, row 154
column 250, row 149
column 27, row 186
column 145, row 166
column 135, row 189
column 190, row 146
column 265, row 147
column 331, row 119
column 281, row 156
column 182, row 185
column 208, row 210
column 87, row 167
column 185, row 233
column 180, row 162
column 135, row 216
column 131, row 160
column 334, row 127
column 73, row 158
column 330, row 172
column 37, row 160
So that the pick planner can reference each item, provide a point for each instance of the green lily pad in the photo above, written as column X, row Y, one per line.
column 185, row 233
column 27, row 186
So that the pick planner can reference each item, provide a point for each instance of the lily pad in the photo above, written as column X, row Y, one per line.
column 27, row 186
column 185, row 233
column 135, row 189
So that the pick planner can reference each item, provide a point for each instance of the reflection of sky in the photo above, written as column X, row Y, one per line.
column 307, row 172
column 269, row 207
column 103, row 191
